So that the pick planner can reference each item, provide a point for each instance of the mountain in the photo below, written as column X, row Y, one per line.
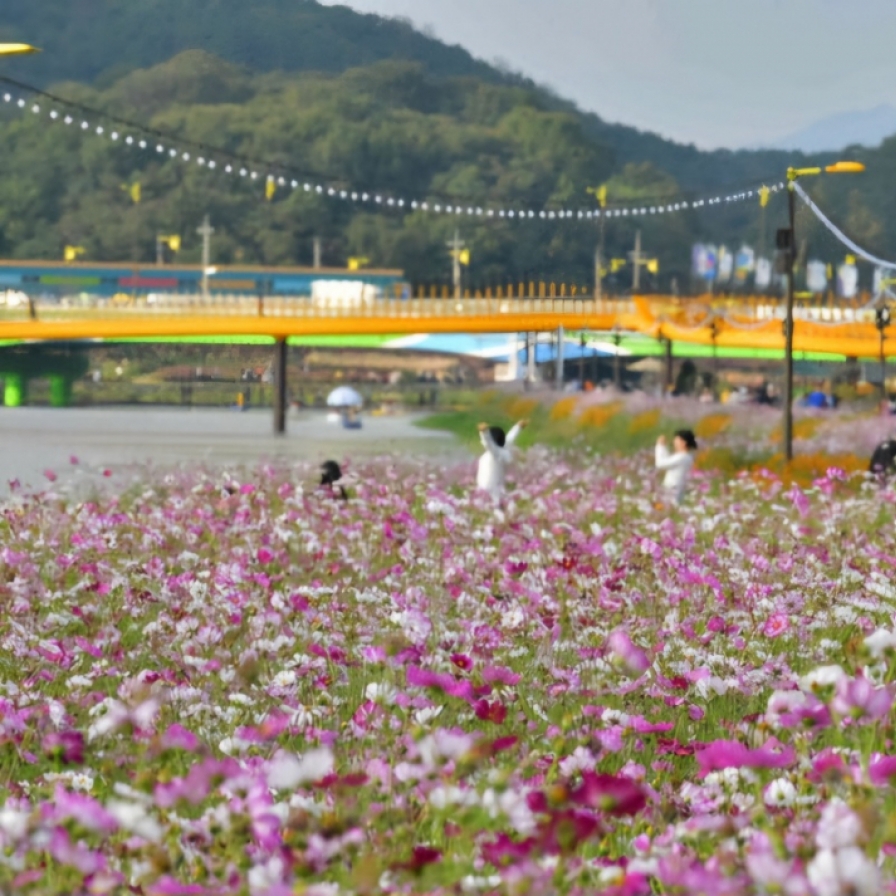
column 99, row 41
column 364, row 103
column 868, row 128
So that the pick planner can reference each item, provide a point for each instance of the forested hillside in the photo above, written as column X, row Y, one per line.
column 361, row 103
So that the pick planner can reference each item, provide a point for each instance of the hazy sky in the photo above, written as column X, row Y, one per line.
column 712, row 72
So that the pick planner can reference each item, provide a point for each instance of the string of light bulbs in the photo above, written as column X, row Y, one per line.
column 215, row 159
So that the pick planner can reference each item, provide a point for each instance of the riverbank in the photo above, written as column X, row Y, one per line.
column 40, row 443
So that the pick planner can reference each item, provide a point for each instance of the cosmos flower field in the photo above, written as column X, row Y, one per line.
column 231, row 683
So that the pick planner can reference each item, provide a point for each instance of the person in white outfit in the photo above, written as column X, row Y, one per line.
column 677, row 466
column 493, row 464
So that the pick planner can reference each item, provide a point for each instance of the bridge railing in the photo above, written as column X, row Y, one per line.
column 303, row 307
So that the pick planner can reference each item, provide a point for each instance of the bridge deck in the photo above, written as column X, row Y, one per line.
column 835, row 331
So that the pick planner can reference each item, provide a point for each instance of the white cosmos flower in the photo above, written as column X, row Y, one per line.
column 780, row 793
column 880, row 641
column 284, row 679
column 380, row 692
column 822, row 677
column 134, row 818
column 286, row 771
column 427, row 714
column 844, row 872
column 839, row 826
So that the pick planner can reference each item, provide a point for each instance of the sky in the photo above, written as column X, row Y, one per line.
column 717, row 73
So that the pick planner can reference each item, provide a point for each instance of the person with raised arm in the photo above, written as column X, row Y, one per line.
column 493, row 464
column 676, row 465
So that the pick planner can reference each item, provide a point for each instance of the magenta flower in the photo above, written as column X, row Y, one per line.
column 775, row 625
column 723, row 754
column 178, row 738
column 882, row 770
column 67, row 746
column 610, row 794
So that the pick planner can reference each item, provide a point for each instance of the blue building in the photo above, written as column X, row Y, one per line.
column 45, row 279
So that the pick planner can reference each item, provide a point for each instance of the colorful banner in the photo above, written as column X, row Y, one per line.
column 744, row 264
column 816, row 276
column 726, row 265
column 847, row 281
column 704, row 262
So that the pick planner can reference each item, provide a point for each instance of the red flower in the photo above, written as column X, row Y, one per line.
column 421, row 857
column 491, row 712
column 615, row 796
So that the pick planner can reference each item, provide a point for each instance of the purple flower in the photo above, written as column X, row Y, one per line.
column 859, row 698
column 632, row 658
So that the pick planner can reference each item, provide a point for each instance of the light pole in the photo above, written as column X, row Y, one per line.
column 882, row 321
column 787, row 241
column 17, row 49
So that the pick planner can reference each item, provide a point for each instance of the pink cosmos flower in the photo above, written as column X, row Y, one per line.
column 730, row 754
column 861, row 699
column 775, row 625
column 633, row 659
column 882, row 770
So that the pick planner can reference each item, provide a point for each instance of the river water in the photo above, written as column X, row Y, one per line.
column 38, row 441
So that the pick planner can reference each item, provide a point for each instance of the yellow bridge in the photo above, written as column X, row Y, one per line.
column 742, row 323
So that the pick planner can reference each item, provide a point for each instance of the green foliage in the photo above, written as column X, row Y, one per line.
column 368, row 103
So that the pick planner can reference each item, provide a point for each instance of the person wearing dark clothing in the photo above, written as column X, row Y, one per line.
column 883, row 461
column 330, row 476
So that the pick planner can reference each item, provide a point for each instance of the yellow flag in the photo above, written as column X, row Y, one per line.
column 616, row 264
column 602, row 196
column 764, row 195
column 270, row 188
column 72, row 252
column 850, row 259
column 464, row 257
column 355, row 264
column 173, row 243
column 136, row 192
column 653, row 265
column 830, row 271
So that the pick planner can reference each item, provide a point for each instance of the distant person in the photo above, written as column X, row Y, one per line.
column 493, row 464
column 677, row 466
column 883, row 461
column 331, row 474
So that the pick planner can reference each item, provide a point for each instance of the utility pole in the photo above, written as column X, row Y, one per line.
column 638, row 259
column 318, row 253
column 882, row 321
column 206, row 232
column 790, row 240
column 456, row 245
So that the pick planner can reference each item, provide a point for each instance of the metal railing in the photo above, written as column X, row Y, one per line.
column 278, row 306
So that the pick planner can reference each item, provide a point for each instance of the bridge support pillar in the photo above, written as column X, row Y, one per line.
column 280, row 356
column 60, row 391
column 531, row 348
column 560, row 358
column 15, row 390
